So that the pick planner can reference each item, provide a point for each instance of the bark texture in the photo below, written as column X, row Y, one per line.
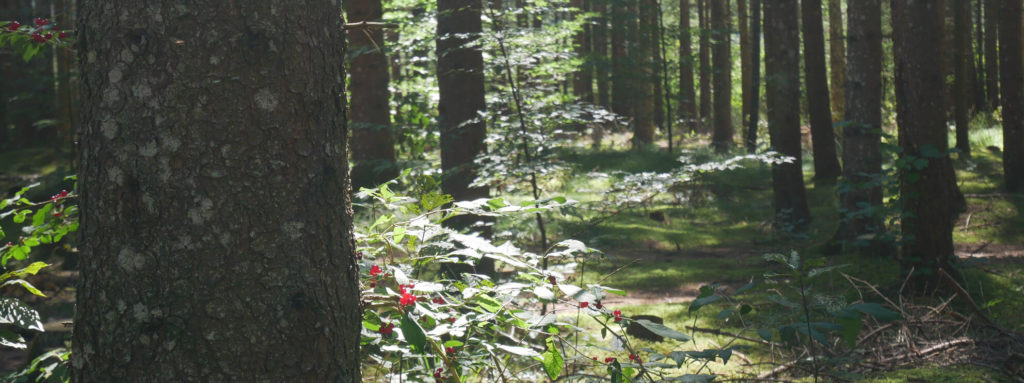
column 621, row 100
column 373, row 145
column 750, row 139
column 992, row 80
column 687, row 95
column 721, row 138
column 743, row 26
column 704, row 51
column 600, row 54
column 826, row 161
column 862, row 156
column 962, row 91
column 837, row 60
column 583, row 78
column 216, row 225
column 1012, row 94
column 927, row 223
column 643, row 104
column 782, row 75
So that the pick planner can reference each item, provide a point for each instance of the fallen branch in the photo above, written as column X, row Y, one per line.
column 928, row 350
column 725, row 333
column 368, row 25
column 970, row 301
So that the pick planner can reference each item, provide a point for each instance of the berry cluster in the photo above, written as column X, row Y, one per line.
column 42, row 30
column 386, row 329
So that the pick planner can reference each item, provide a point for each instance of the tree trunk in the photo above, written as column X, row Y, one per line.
column 862, row 156
column 643, row 114
column 961, row 74
column 373, row 145
column 826, row 162
column 216, row 225
column 654, row 39
column 755, row 76
column 979, row 59
column 687, row 95
column 460, row 80
column 782, row 75
column 705, row 66
column 621, row 100
column 600, row 53
column 583, row 80
column 991, row 54
column 837, row 60
column 721, row 138
column 927, row 222
column 743, row 28
column 1012, row 94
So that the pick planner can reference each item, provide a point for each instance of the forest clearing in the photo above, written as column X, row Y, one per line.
column 512, row 191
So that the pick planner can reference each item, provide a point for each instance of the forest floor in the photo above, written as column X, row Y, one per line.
column 714, row 231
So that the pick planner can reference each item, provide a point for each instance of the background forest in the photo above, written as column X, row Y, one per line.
column 512, row 190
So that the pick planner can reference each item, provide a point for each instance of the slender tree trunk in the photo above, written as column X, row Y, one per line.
column 373, row 146
column 1012, row 94
column 837, row 60
column 979, row 59
column 721, row 138
column 991, row 54
column 962, row 60
column 654, row 38
column 621, row 101
column 862, row 158
column 66, row 81
column 600, row 53
column 583, row 80
column 927, row 222
column 705, row 66
column 216, row 226
column 687, row 95
column 743, row 26
column 826, row 162
column 644, row 113
column 460, row 80
column 782, row 72
column 755, row 76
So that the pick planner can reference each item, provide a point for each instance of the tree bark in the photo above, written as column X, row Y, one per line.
column 654, row 39
column 721, row 138
column 979, row 58
column 927, row 222
column 583, row 80
column 216, row 226
column 704, row 51
column 1010, row 82
column 743, row 26
column 782, row 75
column 826, row 162
column 687, row 95
column 755, row 77
column 991, row 54
column 600, row 54
column 837, row 60
column 644, row 113
column 621, row 100
column 962, row 91
column 862, row 156
column 373, row 145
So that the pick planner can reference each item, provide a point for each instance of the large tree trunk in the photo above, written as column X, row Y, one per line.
column 962, row 91
column 991, row 53
column 862, row 158
column 216, row 225
column 643, row 114
column 927, row 222
column 837, row 60
column 687, row 95
column 373, row 145
column 1012, row 94
column 460, row 80
column 755, row 77
column 599, row 52
column 704, row 51
column 782, row 75
column 621, row 98
column 583, row 79
column 743, row 28
column 721, row 138
column 826, row 162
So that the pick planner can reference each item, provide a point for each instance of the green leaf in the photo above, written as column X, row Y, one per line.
column 552, row 360
column 488, row 303
column 16, row 312
column 660, row 329
column 453, row 343
column 701, row 302
column 26, row 285
column 398, row 233
column 40, row 216
column 851, row 328
column 521, row 351
column 413, row 333
column 11, row 339
column 765, row 334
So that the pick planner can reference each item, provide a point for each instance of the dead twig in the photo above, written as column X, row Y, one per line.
column 368, row 25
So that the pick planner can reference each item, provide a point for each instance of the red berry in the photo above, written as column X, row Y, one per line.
column 50, row 36
column 13, row 26
column 449, row 350
column 598, row 305
column 374, row 270
column 452, row 319
column 407, row 299
column 609, row 360
column 38, row 38
column 595, row 358
column 62, row 35
column 386, row 329
column 618, row 315
column 552, row 280
column 584, row 304
column 41, row 21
